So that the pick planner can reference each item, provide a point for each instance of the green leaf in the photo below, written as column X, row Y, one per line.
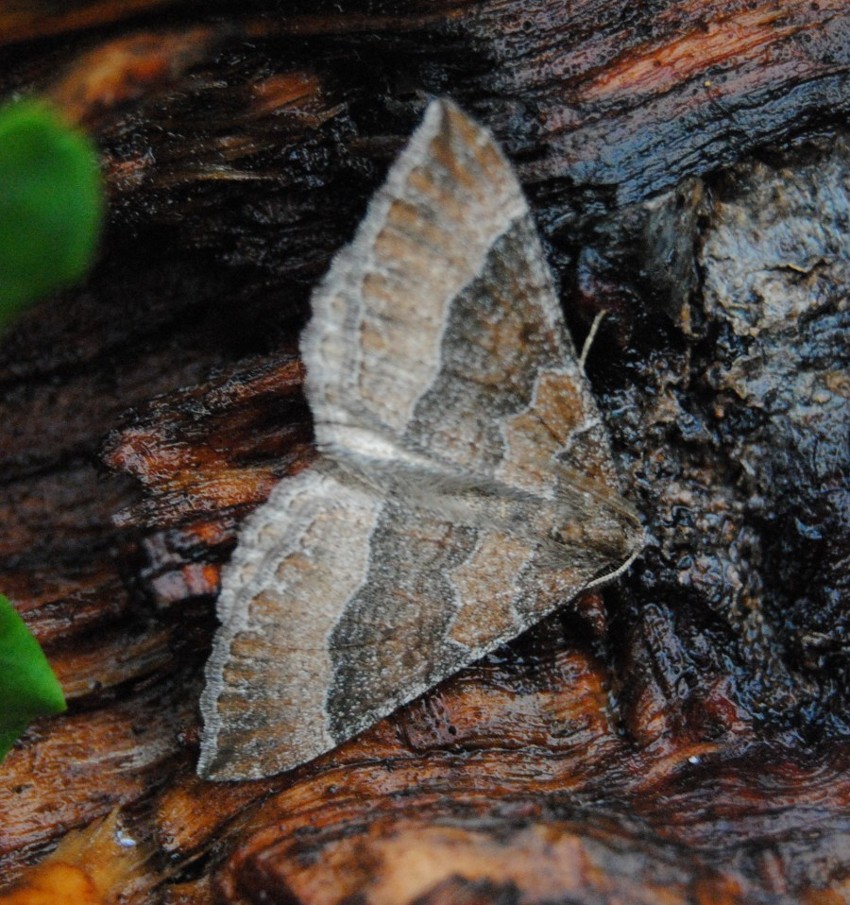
column 28, row 688
column 51, row 204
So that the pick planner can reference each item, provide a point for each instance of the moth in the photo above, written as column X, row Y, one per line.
column 465, row 486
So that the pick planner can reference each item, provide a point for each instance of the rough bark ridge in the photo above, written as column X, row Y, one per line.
column 685, row 737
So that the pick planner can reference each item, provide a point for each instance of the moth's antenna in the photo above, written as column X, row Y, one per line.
column 585, row 349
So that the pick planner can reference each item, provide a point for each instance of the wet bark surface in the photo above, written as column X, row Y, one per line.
column 681, row 736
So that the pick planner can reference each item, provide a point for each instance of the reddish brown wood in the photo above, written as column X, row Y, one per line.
column 239, row 153
column 21, row 20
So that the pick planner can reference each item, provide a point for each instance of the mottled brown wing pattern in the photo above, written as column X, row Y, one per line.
column 298, row 556
column 465, row 486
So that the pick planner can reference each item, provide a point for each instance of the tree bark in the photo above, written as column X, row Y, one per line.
column 682, row 736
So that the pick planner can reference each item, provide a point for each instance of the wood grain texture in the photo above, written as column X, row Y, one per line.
column 232, row 183
column 512, row 780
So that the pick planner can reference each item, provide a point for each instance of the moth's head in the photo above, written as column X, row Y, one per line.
column 616, row 535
